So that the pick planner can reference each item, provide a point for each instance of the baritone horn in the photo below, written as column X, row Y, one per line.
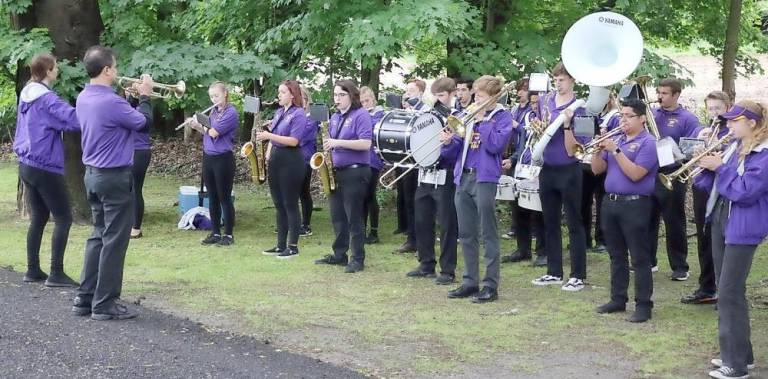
column 162, row 91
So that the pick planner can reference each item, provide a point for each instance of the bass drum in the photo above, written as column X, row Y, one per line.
column 406, row 133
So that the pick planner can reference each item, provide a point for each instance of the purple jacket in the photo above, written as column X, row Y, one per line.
column 108, row 124
column 226, row 123
column 677, row 123
column 308, row 143
column 747, row 191
column 357, row 125
column 41, row 118
column 489, row 139
column 377, row 114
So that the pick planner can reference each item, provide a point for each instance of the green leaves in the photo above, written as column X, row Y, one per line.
column 18, row 46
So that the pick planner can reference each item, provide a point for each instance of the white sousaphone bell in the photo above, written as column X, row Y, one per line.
column 599, row 50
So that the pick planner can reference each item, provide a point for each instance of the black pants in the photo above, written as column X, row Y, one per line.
column 437, row 202
column 560, row 187
column 371, row 209
column 219, row 176
column 286, row 174
column 141, row 160
column 704, row 245
column 626, row 230
column 110, row 195
column 528, row 223
column 306, row 197
column 347, row 212
column 593, row 189
column 46, row 195
column 408, row 184
column 670, row 205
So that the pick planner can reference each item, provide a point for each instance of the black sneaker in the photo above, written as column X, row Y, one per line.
column 212, row 239
column 612, row 307
column 60, row 279
column 540, row 261
column 486, row 295
column 288, row 253
column 508, row 235
column 226, row 240
column 680, row 276
column 717, row 362
column 725, row 372
column 81, row 306
column 331, row 260
column 599, row 249
column 371, row 239
column 275, row 251
column 116, row 312
column 444, row 279
column 699, row 297
column 354, row 267
column 421, row 273
column 35, row 275
column 641, row 315
column 516, row 256
column 462, row 292
column 305, row 231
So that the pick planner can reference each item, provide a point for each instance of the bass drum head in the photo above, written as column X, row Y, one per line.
column 391, row 136
column 424, row 141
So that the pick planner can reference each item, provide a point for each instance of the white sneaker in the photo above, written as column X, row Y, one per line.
column 573, row 285
column 547, row 280
column 717, row 362
column 727, row 373
column 655, row 268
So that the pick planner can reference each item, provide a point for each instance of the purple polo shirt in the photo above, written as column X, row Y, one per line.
column 308, row 143
column 677, row 123
column 613, row 122
column 377, row 114
column 225, row 122
column 489, row 138
column 141, row 141
column 108, row 126
column 642, row 151
column 357, row 125
column 555, row 153
column 289, row 123
column 41, row 118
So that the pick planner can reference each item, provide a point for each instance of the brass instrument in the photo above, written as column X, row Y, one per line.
column 323, row 163
column 164, row 91
column 687, row 171
column 206, row 111
column 642, row 82
column 256, row 154
column 583, row 151
column 458, row 124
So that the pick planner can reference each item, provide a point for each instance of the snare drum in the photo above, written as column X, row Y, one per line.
column 505, row 190
column 400, row 134
column 528, row 194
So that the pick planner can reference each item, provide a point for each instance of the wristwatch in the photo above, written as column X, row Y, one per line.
column 568, row 128
column 617, row 151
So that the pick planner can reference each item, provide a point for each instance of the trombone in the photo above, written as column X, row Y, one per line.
column 162, row 91
column 583, row 151
column 687, row 171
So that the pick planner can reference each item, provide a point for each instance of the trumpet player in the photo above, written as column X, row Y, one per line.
column 350, row 133
column 717, row 103
column 286, row 167
column 631, row 165
column 308, row 146
column 219, row 163
column 464, row 94
column 737, row 183
column 476, row 175
column 673, row 121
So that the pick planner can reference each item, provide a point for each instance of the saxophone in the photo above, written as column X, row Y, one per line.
column 323, row 163
column 255, row 154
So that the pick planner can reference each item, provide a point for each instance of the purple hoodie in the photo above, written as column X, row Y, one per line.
column 489, row 139
column 747, row 189
column 41, row 118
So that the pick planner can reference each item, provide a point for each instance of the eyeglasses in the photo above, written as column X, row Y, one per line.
column 628, row 116
column 340, row 94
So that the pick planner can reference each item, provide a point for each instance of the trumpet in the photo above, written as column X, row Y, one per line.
column 687, row 171
column 163, row 91
column 458, row 124
column 323, row 163
column 583, row 151
column 206, row 111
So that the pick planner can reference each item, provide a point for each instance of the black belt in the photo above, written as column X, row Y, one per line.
column 470, row 170
column 356, row 165
column 617, row 197
column 108, row 169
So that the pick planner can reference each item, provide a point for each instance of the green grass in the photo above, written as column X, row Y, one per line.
column 383, row 320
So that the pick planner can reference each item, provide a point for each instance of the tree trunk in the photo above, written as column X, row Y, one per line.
column 74, row 26
column 369, row 76
column 731, row 49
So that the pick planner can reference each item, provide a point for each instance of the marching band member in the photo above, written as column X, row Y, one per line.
column 631, row 166
column 738, row 186
column 414, row 93
column 41, row 118
column 526, row 221
column 108, row 126
column 434, row 198
column 717, row 103
column 560, row 187
column 286, row 166
column 673, row 121
column 308, row 146
column 219, row 163
column 371, row 211
column 350, row 133
column 477, row 174
column 142, row 154
column 463, row 93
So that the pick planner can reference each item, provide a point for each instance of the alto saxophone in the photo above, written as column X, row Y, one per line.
column 255, row 154
column 323, row 163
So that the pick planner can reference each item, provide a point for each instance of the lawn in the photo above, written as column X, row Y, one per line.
column 382, row 323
